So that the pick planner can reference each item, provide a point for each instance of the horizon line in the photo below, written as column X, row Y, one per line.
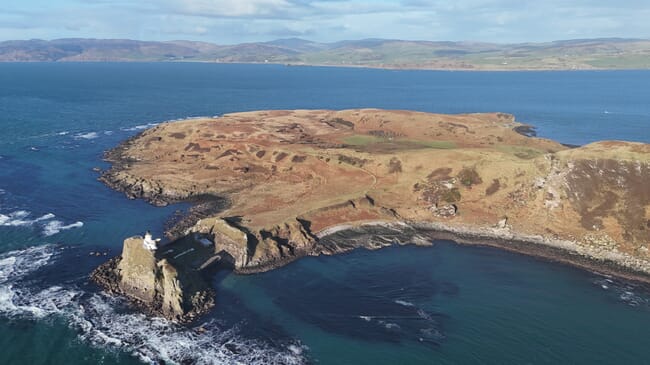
column 331, row 42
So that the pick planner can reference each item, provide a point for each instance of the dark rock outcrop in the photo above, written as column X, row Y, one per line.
column 250, row 251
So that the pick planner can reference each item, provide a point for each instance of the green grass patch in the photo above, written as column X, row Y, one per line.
column 623, row 61
column 362, row 140
column 525, row 153
column 441, row 145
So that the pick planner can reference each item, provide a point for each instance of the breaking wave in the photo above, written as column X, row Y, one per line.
column 139, row 127
column 22, row 218
column 89, row 135
column 404, row 303
column 54, row 227
column 99, row 322
column 154, row 339
column 14, row 267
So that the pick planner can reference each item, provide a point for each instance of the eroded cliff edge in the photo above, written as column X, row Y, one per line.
column 160, row 283
column 311, row 182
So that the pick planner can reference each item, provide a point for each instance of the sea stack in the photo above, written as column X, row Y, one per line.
column 154, row 283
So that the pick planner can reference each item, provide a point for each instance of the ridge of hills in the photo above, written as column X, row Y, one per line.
column 578, row 54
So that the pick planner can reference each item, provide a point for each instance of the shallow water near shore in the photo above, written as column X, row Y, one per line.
column 444, row 304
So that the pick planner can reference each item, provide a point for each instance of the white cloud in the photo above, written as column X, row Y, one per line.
column 232, row 21
column 228, row 8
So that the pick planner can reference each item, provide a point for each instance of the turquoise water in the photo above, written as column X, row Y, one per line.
column 450, row 305
column 445, row 304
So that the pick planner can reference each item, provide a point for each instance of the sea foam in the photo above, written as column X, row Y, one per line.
column 54, row 227
column 89, row 135
column 21, row 218
column 626, row 292
column 98, row 323
column 404, row 303
column 14, row 267
column 139, row 127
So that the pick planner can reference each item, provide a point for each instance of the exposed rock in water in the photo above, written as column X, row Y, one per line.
column 155, row 284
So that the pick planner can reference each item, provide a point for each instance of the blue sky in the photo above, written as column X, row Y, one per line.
column 234, row 21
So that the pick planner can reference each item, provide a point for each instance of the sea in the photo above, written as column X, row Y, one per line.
column 445, row 304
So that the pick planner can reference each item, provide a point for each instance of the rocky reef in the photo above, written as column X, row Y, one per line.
column 319, row 182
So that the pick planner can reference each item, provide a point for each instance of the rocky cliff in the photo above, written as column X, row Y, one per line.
column 313, row 182
column 155, row 284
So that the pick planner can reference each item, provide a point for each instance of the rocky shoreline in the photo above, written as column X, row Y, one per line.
column 565, row 252
column 267, row 188
column 426, row 233
column 376, row 235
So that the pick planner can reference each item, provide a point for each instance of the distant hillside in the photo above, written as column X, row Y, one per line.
column 610, row 53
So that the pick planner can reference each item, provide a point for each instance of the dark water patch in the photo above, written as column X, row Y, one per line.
column 17, row 175
column 492, row 264
column 362, row 306
column 362, row 314
column 231, row 312
column 73, row 265
column 632, row 294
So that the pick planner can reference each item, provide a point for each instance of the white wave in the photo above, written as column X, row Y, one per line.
column 139, row 127
column 64, row 133
column 14, row 266
column 94, row 316
column 297, row 350
column 424, row 315
column 54, row 227
column 390, row 326
column 89, row 135
column 20, row 218
column 404, row 303
column 366, row 318
column 155, row 340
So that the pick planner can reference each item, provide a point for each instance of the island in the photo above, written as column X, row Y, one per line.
column 269, row 187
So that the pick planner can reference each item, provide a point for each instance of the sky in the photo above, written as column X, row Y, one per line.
column 237, row 21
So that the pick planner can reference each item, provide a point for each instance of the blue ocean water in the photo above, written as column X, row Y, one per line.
column 446, row 304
